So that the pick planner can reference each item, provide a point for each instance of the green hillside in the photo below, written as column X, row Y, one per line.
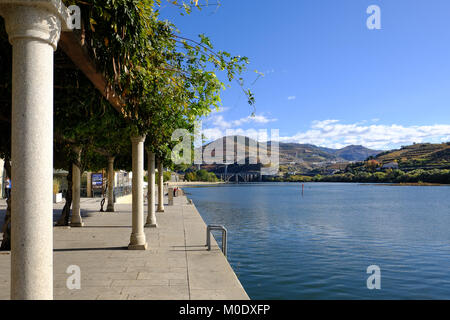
column 421, row 155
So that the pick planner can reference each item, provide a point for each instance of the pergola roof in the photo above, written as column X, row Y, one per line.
column 73, row 46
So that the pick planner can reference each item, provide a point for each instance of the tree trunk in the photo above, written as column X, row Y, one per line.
column 65, row 213
column 6, row 242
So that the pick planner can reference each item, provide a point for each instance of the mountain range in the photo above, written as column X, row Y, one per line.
column 294, row 156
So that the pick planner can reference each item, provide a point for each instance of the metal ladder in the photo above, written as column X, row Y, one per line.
column 224, row 237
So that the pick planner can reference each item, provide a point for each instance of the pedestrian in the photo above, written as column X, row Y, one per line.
column 8, row 186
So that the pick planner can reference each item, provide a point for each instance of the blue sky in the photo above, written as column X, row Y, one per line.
column 329, row 80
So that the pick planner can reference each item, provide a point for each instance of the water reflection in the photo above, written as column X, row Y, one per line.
column 317, row 245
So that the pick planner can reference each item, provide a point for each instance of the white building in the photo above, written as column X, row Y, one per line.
column 390, row 165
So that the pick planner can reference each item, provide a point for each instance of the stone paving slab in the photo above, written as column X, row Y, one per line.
column 176, row 265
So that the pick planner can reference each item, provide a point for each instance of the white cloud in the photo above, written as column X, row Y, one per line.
column 292, row 98
column 220, row 122
column 261, row 135
column 255, row 118
column 333, row 133
column 221, row 110
column 212, row 133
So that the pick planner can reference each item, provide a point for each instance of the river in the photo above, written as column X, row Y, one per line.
column 285, row 244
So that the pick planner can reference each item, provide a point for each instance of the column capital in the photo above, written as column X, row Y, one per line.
column 40, row 20
column 111, row 159
column 137, row 139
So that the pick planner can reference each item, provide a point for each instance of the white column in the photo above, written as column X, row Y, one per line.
column 160, row 187
column 137, row 239
column 33, row 28
column 89, row 184
column 170, row 196
column 76, row 220
column 110, row 207
column 151, row 216
column 2, row 187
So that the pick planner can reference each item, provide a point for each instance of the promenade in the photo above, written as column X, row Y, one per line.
column 176, row 265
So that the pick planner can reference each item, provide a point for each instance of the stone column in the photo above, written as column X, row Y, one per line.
column 137, row 239
column 151, row 216
column 76, row 220
column 89, row 184
column 160, row 187
column 170, row 196
column 33, row 28
column 110, row 207
column 2, row 187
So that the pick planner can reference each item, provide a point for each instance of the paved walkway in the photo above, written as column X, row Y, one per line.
column 176, row 265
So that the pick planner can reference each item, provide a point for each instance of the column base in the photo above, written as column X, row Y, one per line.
column 151, row 225
column 137, row 246
column 77, row 224
column 160, row 210
column 109, row 209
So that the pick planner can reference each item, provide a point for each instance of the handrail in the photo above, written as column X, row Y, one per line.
column 224, row 237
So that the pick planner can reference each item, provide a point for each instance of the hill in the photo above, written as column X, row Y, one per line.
column 298, row 158
column 421, row 155
column 308, row 159
column 355, row 153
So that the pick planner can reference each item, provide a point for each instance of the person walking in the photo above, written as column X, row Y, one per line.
column 8, row 186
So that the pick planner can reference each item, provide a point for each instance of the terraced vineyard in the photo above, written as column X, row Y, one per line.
column 424, row 155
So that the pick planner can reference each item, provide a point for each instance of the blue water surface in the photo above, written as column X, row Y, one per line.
column 317, row 245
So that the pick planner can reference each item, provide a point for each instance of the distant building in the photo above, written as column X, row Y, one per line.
column 390, row 165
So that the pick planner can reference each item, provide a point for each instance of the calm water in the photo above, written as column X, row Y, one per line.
column 283, row 245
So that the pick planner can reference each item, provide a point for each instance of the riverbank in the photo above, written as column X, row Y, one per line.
column 194, row 183
column 415, row 184
column 368, row 183
column 440, row 176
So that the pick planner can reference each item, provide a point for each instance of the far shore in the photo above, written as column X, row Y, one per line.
column 394, row 184
column 412, row 184
column 193, row 183
column 200, row 183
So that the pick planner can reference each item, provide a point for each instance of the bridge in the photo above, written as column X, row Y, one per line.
column 239, row 173
column 241, row 177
